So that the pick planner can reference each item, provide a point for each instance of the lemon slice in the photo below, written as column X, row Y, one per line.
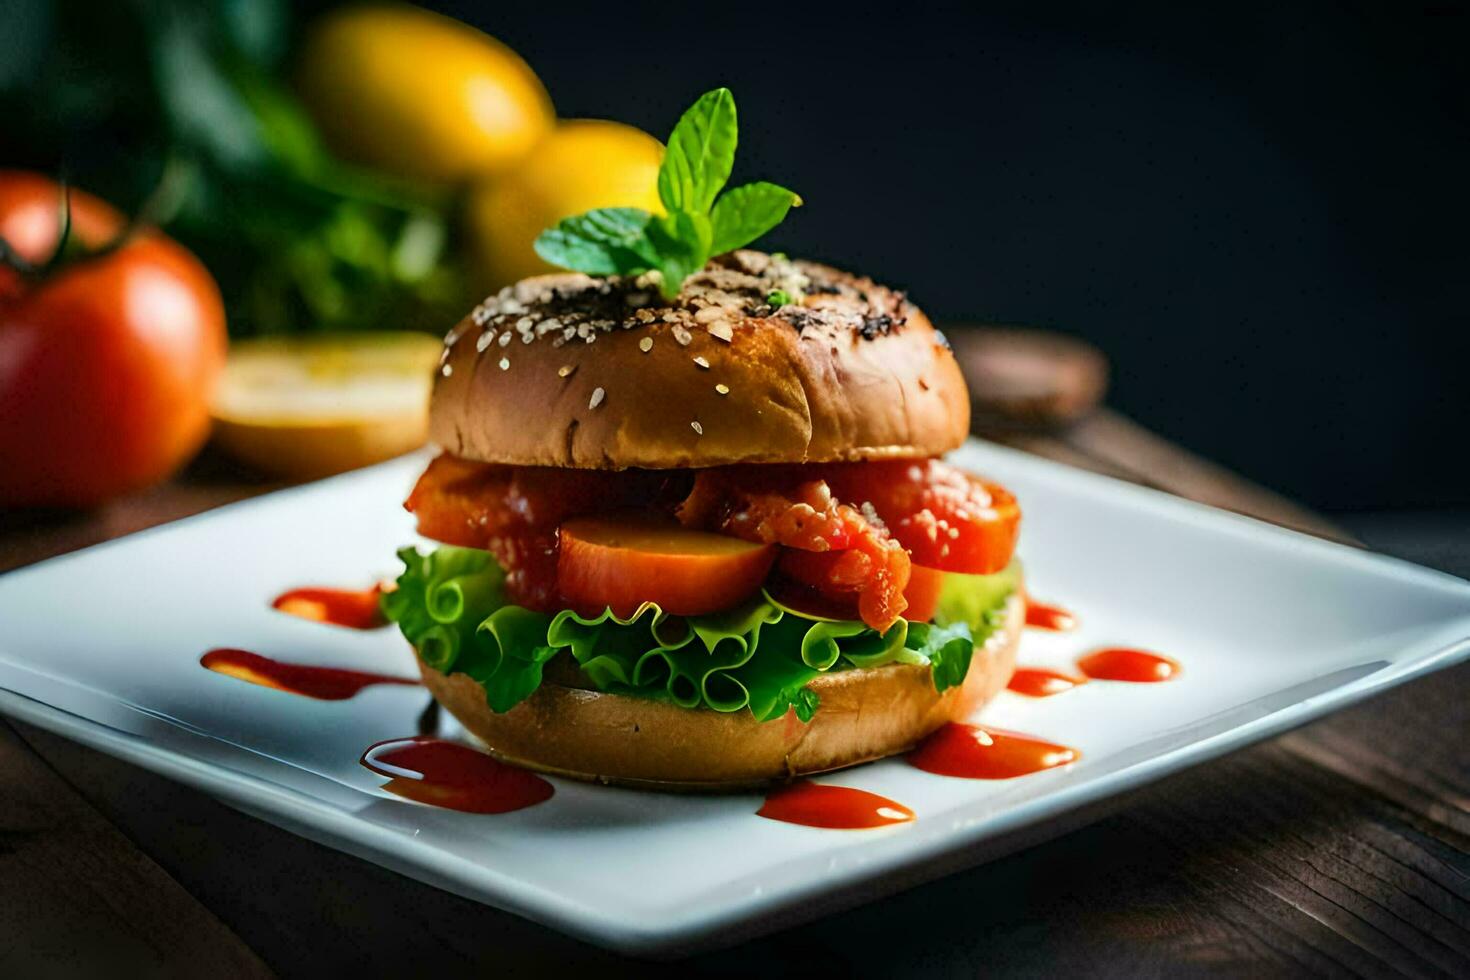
column 309, row 407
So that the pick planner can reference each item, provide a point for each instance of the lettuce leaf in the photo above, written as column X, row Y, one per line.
column 760, row 656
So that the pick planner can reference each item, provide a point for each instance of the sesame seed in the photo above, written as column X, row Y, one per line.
column 702, row 363
column 565, row 371
column 682, row 336
column 447, row 370
column 646, row 344
column 698, row 429
column 505, row 339
column 525, row 323
column 636, row 299
column 483, row 341
column 526, row 338
column 597, row 396
column 722, row 389
column 505, row 364
column 721, row 331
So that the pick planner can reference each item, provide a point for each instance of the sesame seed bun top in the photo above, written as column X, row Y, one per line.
column 759, row 359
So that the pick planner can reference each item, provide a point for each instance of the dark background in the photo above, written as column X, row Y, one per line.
column 1261, row 215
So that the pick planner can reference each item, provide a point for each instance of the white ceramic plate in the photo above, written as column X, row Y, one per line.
column 1272, row 628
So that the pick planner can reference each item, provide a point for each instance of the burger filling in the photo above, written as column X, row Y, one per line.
column 728, row 588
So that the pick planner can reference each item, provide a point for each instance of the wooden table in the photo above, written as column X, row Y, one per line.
column 1341, row 848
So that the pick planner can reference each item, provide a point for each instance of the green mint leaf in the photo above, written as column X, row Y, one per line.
column 700, row 154
column 746, row 213
column 700, row 222
column 604, row 242
column 682, row 241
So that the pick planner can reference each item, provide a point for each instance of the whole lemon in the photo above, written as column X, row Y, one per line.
column 419, row 95
column 583, row 164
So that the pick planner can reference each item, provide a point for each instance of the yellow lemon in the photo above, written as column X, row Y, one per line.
column 583, row 164
column 419, row 95
column 306, row 407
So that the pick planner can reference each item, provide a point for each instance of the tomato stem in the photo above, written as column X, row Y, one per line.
column 9, row 257
column 63, row 236
column 160, row 206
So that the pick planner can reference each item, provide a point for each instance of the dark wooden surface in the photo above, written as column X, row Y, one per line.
column 1340, row 849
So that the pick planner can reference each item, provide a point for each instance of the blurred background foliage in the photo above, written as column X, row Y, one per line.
column 108, row 94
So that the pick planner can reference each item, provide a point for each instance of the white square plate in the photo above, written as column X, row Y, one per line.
column 1272, row 628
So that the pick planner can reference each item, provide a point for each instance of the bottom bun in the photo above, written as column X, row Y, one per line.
column 632, row 741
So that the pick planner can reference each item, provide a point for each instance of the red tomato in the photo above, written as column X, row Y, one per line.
column 514, row 511
column 786, row 506
column 826, row 584
column 621, row 563
column 107, row 367
column 922, row 593
column 946, row 518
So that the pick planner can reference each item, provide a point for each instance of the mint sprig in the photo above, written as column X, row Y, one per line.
column 700, row 221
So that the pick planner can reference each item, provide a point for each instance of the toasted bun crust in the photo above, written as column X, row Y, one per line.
column 849, row 370
column 864, row 715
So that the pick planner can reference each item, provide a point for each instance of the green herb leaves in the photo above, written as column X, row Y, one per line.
column 748, row 212
column 701, row 154
column 700, row 221
column 600, row 243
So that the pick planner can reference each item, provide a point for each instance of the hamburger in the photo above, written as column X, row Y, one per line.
column 693, row 529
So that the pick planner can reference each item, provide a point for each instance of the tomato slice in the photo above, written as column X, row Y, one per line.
column 812, row 582
column 947, row 519
column 922, row 593
column 832, row 548
column 622, row 562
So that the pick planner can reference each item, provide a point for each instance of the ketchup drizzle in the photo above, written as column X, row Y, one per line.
column 353, row 608
column 972, row 752
column 1128, row 664
column 1038, row 682
column 1043, row 616
column 832, row 807
column 321, row 683
column 454, row 776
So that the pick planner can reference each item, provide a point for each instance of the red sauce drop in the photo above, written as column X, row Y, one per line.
column 971, row 752
column 1042, row 616
column 1038, row 682
column 353, row 608
column 322, row 683
column 832, row 807
column 454, row 776
column 1125, row 664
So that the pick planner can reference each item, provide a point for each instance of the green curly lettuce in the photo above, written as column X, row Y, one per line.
column 760, row 656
